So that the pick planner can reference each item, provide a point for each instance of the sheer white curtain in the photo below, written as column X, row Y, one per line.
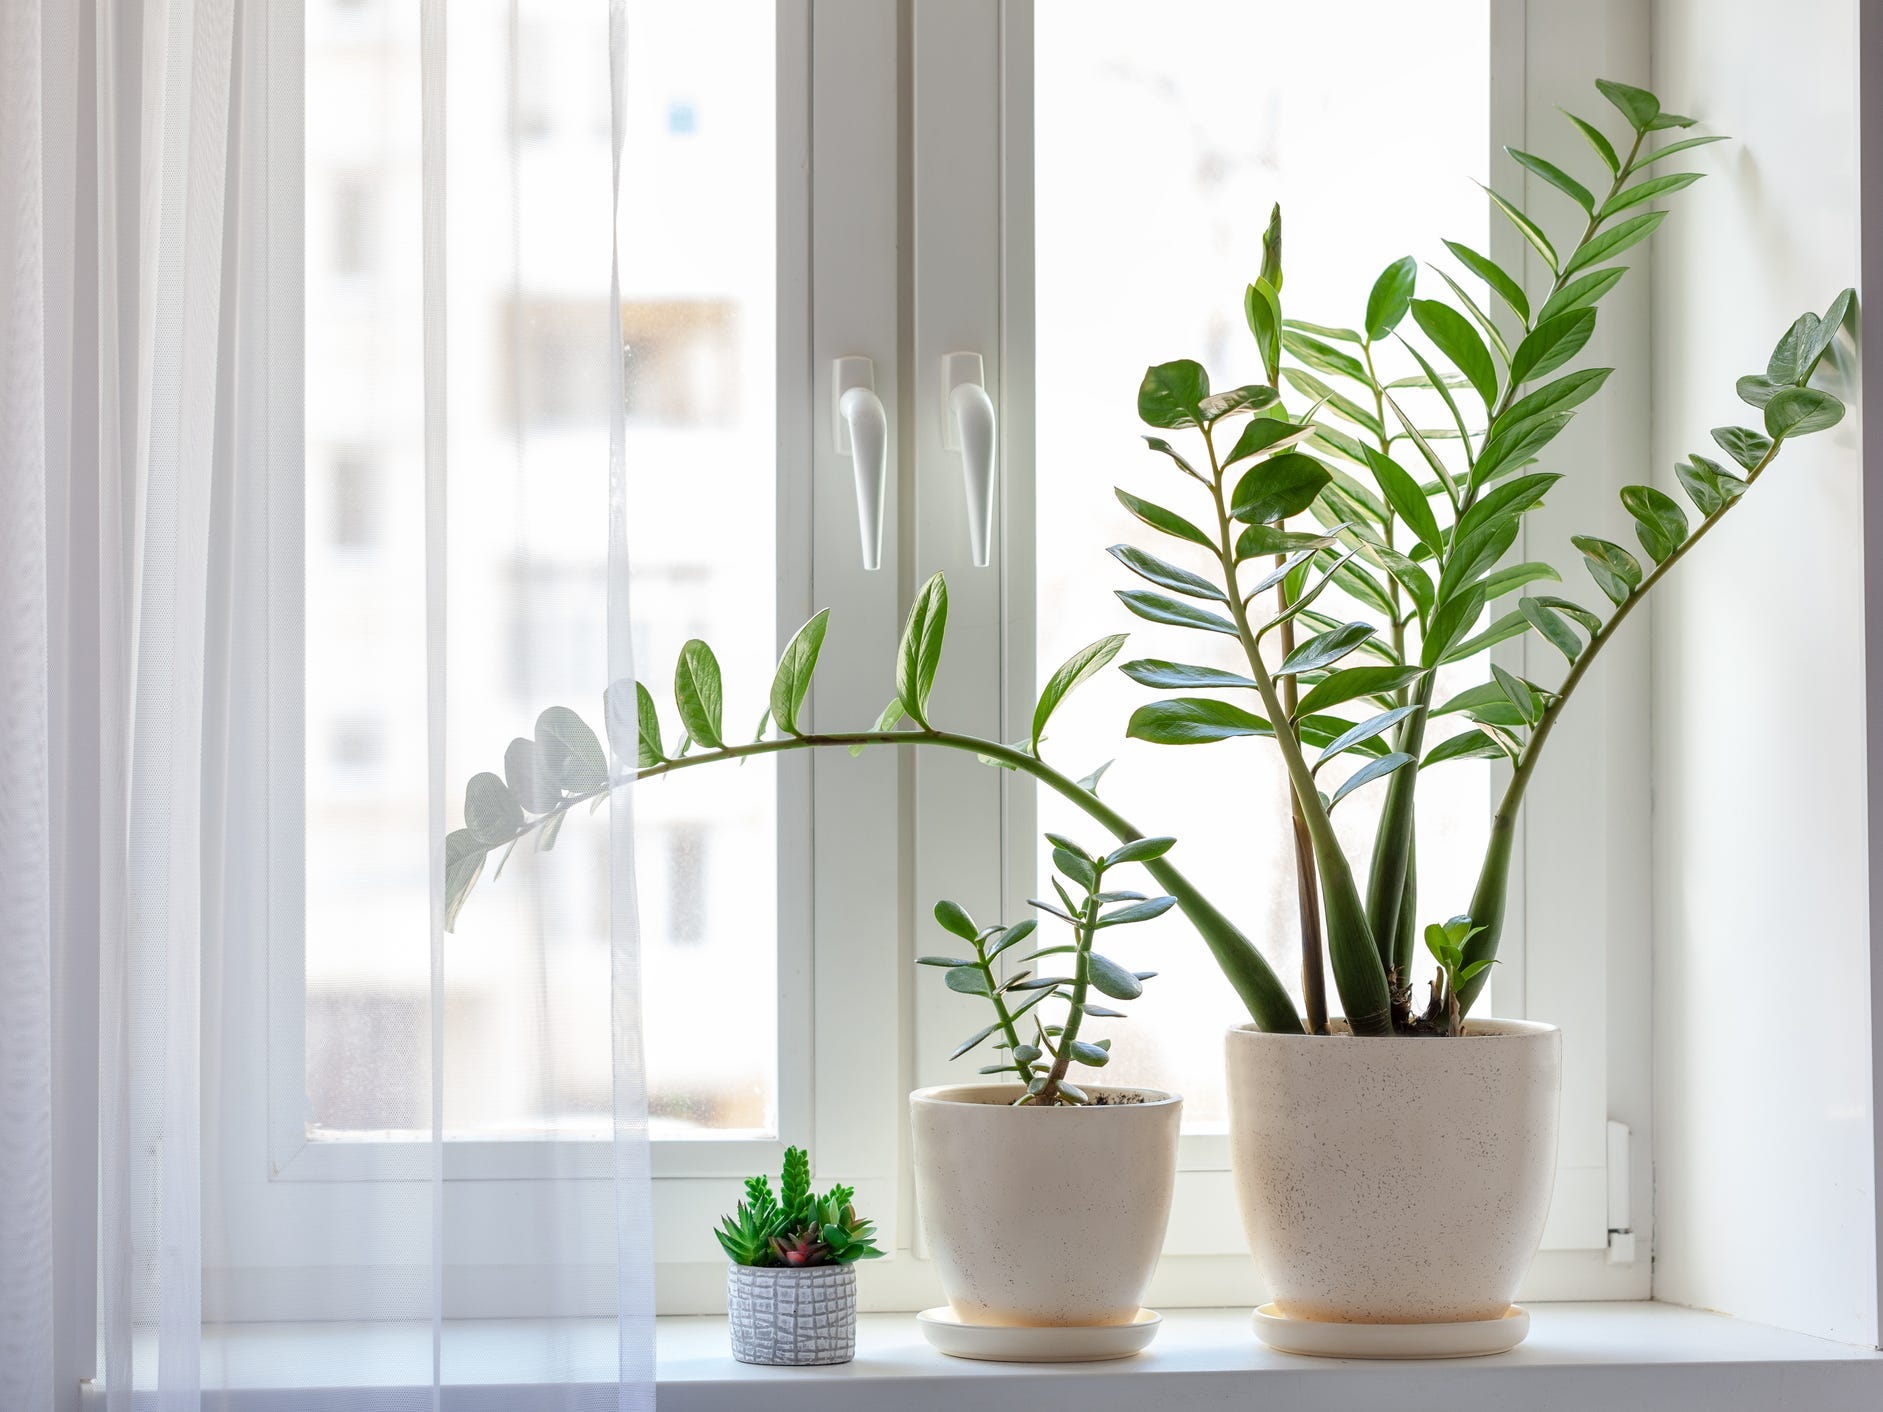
column 264, row 1123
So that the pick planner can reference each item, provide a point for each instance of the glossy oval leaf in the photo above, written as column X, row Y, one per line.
column 1660, row 523
column 1468, row 745
column 1637, row 105
column 1079, row 667
column 1556, row 177
column 1366, row 730
column 1352, row 683
column 1597, row 140
column 1550, row 624
column 698, row 694
column 1367, row 773
column 1143, row 911
column 1551, row 344
column 1615, row 571
column 1281, row 486
column 1266, row 435
column 1526, row 227
column 1501, row 282
column 1744, row 445
column 1112, row 979
column 1324, row 649
column 792, row 682
column 1166, row 575
column 1611, row 242
column 1158, row 518
column 491, row 812
column 648, row 748
column 1646, row 191
column 1581, row 292
column 1799, row 411
column 1193, row 720
column 1454, row 336
column 1156, row 608
column 1181, row 676
column 919, row 655
column 529, row 781
column 568, row 751
column 1402, row 492
column 968, row 980
column 1171, row 394
column 1390, row 298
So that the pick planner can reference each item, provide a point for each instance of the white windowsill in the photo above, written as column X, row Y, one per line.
column 1578, row 1356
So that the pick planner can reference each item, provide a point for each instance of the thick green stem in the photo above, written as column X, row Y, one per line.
column 1254, row 980
column 1393, row 842
column 1086, row 929
column 1488, row 900
column 1009, row 1031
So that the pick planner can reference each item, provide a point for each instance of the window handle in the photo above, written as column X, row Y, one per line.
column 861, row 428
column 969, row 428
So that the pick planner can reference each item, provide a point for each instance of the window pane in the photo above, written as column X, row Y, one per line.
column 526, row 1020
column 1158, row 159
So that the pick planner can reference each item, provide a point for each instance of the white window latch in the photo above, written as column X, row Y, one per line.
column 1621, row 1232
column 861, row 430
column 968, row 427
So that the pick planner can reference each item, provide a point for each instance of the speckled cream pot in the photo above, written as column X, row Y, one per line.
column 1044, row 1216
column 1402, row 1180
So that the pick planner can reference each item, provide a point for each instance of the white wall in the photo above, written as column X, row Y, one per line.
column 1765, row 1152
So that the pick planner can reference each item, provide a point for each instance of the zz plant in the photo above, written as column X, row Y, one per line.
column 1402, row 494
column 1088, row 907
column 793, row 1226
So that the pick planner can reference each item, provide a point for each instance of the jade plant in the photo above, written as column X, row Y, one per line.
column 793, row 1226
column 1397, row 496
column 1088, row 907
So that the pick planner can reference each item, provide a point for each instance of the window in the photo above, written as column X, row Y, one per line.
column 768, row 228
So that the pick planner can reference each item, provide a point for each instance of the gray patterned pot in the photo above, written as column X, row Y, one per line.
column 786, row 1317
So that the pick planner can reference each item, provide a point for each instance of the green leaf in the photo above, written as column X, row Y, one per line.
column 1556, row 177
column 944, row 961
column 1252, row 397
column 1637, row 105
column 1518, row 692
column 491, row 812
column 1756, row 390
column 1614, row 240
column 1683, row 145
column 1391, row 296
column 1322, row 357
column 1366, row 730
column 697, row 693
column 792, row 683
column 1591, row 624
column 568, row 752
column 1473, row 557
column 1458, row 341
column 1744, row 445
column 1139, row 850
column 1646, row 191
column 1012, row 936
column 1171, row 394
column 1603, row 147
column 1513, row 497
column 1581, row 292
column 1310, row 386
column 1799, row 411
column 1705, row 483
column 1509, row 450
column 1351, row 683
column 1324, row 649
column 1161, row 519
column 1086, row 1053
column 1112, row 979
column 1344, row 335
column 1526, row 227
column 1408, row 501
column 464, row 860
column 1469, row 745
column 1149, row 908
column 968, row 980
column 1570, row 390
column 1367, row 773
column 1260, row 539
column 1549, row 623
column 1193, row 720
column 1615, row 571
column 920, row 653
column 646, row 727
column 1516, row 576
column 1551, row 344
column 1828, row 327
column 1450, row 624
column 532, row 785
column 1079, row 667
column 1078, row 869
column 954, row 918
column 1281, row 486
column 1157, row 443
column 1266, row 434
column 1660, row 524
column 1180, row 676
column 1156, row 608
column 1261, row 306
column 1166, row 575
column 1493, row 274
column 1512, row 624
column 974, row 1039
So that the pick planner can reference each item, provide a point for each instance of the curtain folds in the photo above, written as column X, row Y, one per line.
column 246, row 1088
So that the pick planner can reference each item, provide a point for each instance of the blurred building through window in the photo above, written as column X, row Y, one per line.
column 527, row 973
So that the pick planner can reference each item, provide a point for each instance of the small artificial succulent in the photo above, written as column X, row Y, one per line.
column 793, row 1227
column 1043, row 1064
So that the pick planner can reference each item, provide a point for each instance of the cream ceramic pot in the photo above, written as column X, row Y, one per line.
column 1400, row 1180
column 1044, row 1216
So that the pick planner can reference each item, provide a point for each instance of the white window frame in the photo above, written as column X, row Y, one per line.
column 917, row 152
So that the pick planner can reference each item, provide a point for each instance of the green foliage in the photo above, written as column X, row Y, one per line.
column 1351, row 533
column 794, row 1226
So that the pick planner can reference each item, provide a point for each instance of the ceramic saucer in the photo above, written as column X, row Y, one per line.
column 999, row 1343
column 1471, row 1339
